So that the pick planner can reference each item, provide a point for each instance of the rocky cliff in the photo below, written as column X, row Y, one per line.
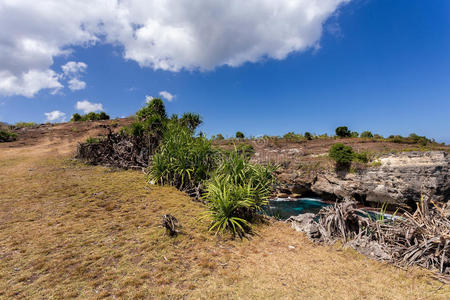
column 397, row 179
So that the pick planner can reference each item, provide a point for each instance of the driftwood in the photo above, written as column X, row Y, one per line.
column 421, row 238
column 118, row 150
column 171, row 224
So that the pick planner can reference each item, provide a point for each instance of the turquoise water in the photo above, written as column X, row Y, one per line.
column 285, row 208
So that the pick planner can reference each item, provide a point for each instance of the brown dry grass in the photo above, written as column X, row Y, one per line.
column 68, row 230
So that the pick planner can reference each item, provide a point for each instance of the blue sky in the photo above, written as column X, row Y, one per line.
column 378, row 65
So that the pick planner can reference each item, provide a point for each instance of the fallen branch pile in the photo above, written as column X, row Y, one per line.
column 421, row 238
column 118, row 150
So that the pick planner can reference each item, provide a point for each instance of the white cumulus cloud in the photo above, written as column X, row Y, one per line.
column 87, row 107
column 166, row 95
column 169, row 35
column 75, row 84
column 55, row 115
column 73, row 69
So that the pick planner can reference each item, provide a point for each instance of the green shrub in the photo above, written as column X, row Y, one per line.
column 343, row 132
column 292, row 136
column 246, row 149
column 154, row 108
column 308, row 136
column 354, row 134
column 341, row 154
column 366, row 134
column 236, row 192
column 362, row 157
column 7, row 136
column 239, row 135
column 218, row 137
column 19, row 125
column 92, row 116
column 190, row 120
column 134, row 129
column 182, row 160
column 92, row 140
column 378, row 136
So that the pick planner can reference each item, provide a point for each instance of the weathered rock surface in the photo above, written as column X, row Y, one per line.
column 400, row 179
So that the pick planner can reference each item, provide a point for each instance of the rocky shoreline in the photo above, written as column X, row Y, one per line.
column 398, row 179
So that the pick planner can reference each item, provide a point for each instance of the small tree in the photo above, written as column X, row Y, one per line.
column 103, row 116
column 239, row 135
column 76, row 117
column 343, row 131
column 154, row 109
column 367, row 134
column 191, row 120
column 308, row 136
column 341, row 154
column 219, row 137
column 354, row 134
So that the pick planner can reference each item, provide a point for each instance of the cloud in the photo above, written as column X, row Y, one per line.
column 73, row 69
column 166, row 95
column 148, row 99
column 169, row 35
column 55, row 115
column 88, row 107
column 28, row 83
column 76, row 84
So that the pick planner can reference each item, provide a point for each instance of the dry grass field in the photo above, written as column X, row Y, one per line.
column 69, row 230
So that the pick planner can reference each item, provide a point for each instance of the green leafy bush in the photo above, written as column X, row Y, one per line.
column 245, row 149
column 236, row 192
column 191, row 120
column 366, row 134
column 92, row 140
column 92, row 116
column 155, row 108
column 239, row 135
column 7, row 136
column 341, row 154
column 19, row 125
column 354, row 134
column 218, row 137
column 362, row 157
column 308, row 136
column 182, row 160
column 343, row 131
column 292, row 136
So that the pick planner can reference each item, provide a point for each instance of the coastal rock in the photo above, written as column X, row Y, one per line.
column 399, row 180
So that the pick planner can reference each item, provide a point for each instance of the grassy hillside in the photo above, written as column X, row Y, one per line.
column 69, row 230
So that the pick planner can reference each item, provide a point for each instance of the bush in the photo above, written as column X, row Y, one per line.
column 239, row 135
column 92, row 140
column 182, row 160
column 362, row 157
column 7, row 136
column 92, row 116
column 236, row 192
column 343, row 132
column 354, row 134
column 191, row 120
column 367, row 134
column 292, row 136
column 341, row 154
column 19, row 125
column 155, row 108
column 246, row 150
column 308, row 136
column 378, row 136
column 218, row 137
